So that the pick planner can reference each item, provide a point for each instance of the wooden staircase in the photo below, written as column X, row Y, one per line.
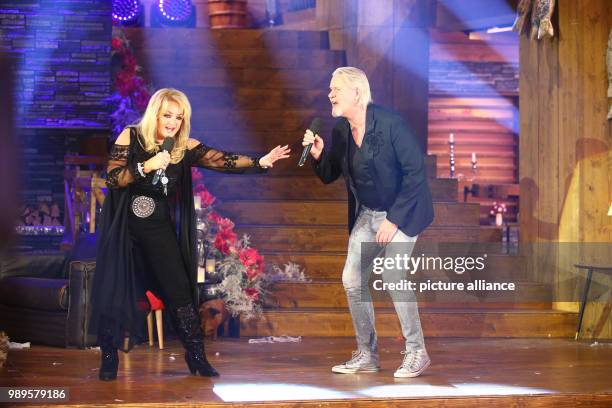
column 254, row 89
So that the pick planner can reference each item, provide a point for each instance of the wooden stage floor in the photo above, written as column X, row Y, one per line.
column 464, row 373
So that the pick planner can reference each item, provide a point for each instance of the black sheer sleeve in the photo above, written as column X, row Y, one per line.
column 119, row 173
column 225, row 162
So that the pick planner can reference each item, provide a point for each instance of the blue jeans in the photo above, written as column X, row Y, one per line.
column 360, row 304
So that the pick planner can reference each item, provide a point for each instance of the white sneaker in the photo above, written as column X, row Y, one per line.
column 415, row 362
column 361, row 362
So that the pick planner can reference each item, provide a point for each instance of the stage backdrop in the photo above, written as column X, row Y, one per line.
column 62, row 58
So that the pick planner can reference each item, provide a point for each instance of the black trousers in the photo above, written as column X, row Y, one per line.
column 158, row 258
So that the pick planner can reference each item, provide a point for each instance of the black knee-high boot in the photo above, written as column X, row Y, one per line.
column 109, row 355
column 187, row 324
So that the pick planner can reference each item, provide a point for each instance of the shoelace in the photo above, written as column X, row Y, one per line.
column 407, row 356
column 355, row 357
column 411, row 358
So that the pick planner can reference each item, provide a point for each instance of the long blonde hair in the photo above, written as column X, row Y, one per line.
column 356, row 78
column 148, row 123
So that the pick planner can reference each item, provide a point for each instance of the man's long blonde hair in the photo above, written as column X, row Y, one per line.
column 148, row 123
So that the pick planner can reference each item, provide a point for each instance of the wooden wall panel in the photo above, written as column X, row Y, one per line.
column 566, row 150
column 528, row 165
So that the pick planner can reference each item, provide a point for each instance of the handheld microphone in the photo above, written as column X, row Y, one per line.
column 314, row 127
column 166, row 147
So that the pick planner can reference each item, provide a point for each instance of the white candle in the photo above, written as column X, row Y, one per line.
column 201, row 274
column 210, row 265
column 451, row 138
column 473, row 157
column 197, row 200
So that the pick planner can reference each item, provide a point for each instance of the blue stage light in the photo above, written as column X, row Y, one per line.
column 176, row 10
column 125, row 10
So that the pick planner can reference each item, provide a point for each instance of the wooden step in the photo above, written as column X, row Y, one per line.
column 335, row 238
column 289, row 167
column 480, row 125
column 499, row 178
column 320, row 266
column 301, row 212
column 253, row 140
column 483, row 102
column 435, row 139
column 250, row 122
column 241, row 99
column 477, row 114
column 494, row 174
column 255, row 123
column 276, row 187
column 305, row 187
column 490, row 163
column 262, row 78
column 331, row 294
column 436, row 323
column 207, row 58
column 469, row 126
column 237, row 39
column 317, row 265
column 504, row 152
column 490, row 233
column 259, row 140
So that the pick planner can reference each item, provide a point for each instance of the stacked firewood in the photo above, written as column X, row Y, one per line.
column 40, row 214
column 4, row 347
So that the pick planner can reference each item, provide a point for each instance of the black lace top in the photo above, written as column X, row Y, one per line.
column 122, row 169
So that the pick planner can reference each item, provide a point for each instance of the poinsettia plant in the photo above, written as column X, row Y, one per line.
column 244, row 274
column 240, row 266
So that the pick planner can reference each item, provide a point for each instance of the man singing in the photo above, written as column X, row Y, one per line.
column 389, row 202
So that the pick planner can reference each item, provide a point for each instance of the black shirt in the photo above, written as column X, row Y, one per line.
column 367, row 192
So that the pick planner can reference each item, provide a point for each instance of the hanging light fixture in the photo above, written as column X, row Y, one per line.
column 176, row 12
column 126, row 11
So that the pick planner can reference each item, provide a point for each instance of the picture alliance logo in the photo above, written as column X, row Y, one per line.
column 457, row 264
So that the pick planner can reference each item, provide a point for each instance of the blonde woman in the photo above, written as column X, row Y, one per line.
column 146, row 239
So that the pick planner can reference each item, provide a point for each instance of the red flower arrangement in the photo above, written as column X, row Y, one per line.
column 225, row 240
column 498, row 208
column 131, row 91
column 241, row 267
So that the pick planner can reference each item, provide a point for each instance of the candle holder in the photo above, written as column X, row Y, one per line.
column 272, row 13
column 210, row 266
column 451, row 153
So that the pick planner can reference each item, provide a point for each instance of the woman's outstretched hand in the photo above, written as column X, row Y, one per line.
column 275, row 154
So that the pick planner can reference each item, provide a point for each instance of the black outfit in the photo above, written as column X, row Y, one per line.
column 394, row 167
column 365, row 185
column 155, row 253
